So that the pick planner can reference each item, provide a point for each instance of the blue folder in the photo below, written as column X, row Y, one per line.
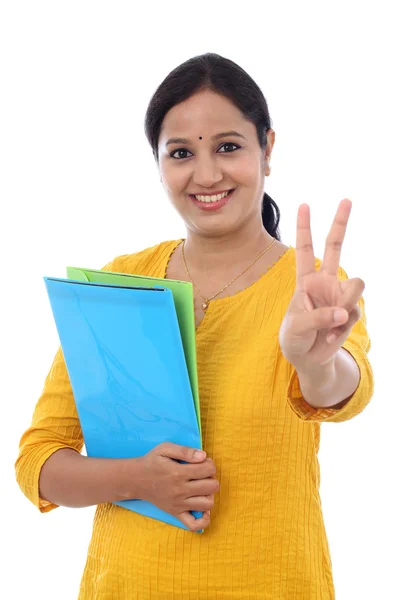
column 124, row 355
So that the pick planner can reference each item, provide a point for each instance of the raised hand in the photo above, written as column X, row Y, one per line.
column 323, row 309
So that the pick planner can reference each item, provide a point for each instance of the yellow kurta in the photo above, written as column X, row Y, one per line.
column 267, row 538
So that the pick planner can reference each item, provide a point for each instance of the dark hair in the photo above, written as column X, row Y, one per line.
column 223, row 76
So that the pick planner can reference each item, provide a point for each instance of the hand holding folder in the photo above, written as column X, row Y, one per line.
column 125, row 358
column 174, row 486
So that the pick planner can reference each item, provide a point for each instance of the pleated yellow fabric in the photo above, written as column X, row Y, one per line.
column 267, row 538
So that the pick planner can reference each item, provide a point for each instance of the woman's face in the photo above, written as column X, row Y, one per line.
column 207, row 149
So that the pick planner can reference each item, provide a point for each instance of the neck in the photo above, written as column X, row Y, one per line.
column 215, row 253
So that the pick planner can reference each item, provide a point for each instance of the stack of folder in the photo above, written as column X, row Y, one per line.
column 129, row 344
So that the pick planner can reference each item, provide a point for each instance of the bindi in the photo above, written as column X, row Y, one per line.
column 200, row 138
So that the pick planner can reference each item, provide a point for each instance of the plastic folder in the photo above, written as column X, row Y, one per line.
column 183, row 297
column 125, row 359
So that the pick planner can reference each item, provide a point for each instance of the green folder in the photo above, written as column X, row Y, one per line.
column 183, row 297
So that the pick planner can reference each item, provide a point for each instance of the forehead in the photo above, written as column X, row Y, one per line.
column 205, row 113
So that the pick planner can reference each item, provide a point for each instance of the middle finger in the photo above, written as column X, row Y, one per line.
column 334, row 241
column 201, row 470
column 203, row 487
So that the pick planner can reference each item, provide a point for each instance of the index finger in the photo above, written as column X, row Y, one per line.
column 305, row 259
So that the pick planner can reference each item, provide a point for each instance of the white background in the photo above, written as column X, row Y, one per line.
column 78, row 186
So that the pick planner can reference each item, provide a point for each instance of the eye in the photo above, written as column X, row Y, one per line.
column 228, row 148
column 180, row 151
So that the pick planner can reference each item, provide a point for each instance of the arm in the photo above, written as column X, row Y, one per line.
column 325, row 318
column 69, row 479
column 52, row 472
column 55, row 426
column 331, row 387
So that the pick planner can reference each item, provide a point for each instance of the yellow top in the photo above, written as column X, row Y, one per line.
column 266, row 538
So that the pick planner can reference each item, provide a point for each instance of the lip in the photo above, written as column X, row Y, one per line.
column 212, row 206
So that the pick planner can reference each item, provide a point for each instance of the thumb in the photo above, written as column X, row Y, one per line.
column 319, row 318
column 185, row 453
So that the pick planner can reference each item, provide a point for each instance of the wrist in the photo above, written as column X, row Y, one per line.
column 332, row 385
column 318, row 378
column 129, row 479
column 318, row 385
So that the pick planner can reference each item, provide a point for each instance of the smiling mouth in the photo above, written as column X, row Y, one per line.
column 211, row 198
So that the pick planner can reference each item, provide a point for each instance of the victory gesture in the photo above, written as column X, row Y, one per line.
column 323, row 309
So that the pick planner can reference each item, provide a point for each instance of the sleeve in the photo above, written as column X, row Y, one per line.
column 55, row 425
column 358, row 344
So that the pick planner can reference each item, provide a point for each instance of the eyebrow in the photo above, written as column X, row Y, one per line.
column 214, row 138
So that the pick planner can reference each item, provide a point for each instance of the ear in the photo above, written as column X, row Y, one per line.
column 270, row 133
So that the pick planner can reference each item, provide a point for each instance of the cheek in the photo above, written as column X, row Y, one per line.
column 173, row 179
column 246, row 171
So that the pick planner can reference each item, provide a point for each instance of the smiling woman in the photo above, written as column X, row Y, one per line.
column 198, row 116
column 281, row 347
column 229, row 162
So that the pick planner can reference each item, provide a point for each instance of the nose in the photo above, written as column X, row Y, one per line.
column 207, row 172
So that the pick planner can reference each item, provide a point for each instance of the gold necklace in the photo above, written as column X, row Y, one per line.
column 207, row 300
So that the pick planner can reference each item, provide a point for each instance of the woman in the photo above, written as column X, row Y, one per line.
column 282, row 346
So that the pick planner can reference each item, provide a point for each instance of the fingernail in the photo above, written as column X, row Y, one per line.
column 330, row 338
column 339, row 314
column 199, row 454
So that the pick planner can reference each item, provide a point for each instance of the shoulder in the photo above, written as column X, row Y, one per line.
column 144, row 262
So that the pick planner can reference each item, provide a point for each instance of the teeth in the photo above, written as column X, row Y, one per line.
column 212, row 198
